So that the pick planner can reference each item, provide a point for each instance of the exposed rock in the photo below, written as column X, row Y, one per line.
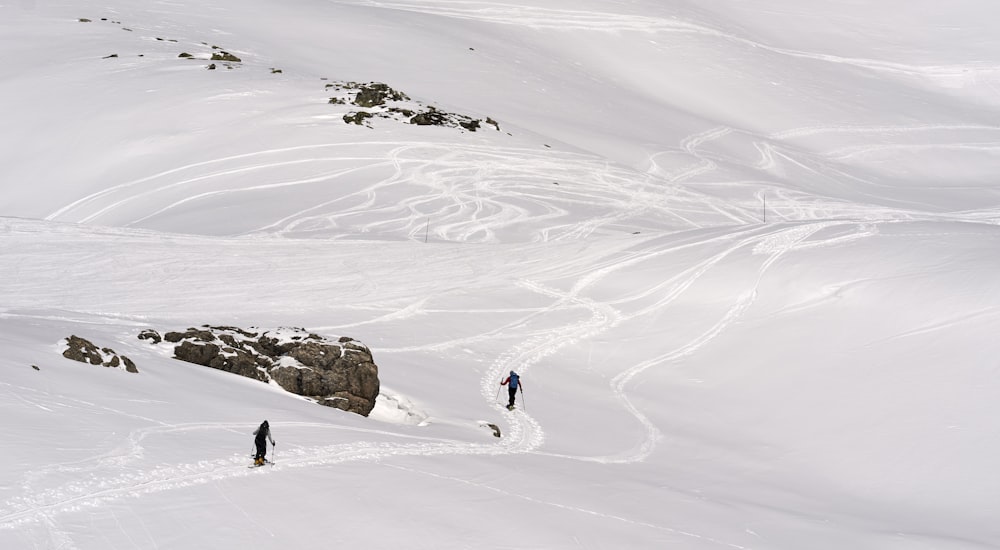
column 225, row 56
column 129, row 365
column 383, row 102
column 83, row 350
column 357, row 118
column 150, row 334
column 191, row 334
column 199, row 354
column 340, row 374
column 376, row 93
column 431, row 117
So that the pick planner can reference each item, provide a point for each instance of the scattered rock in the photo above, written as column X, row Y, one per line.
column 150, row 334
column 185, row 55
column 211, row 66
column 81, row 349
column 225, row 56
column 84, row 20
column 376, row 93
column 35, row 367
column 432, row 117
column 110, row 56
column 357, row 117
column 382, row 101
column 495, row 428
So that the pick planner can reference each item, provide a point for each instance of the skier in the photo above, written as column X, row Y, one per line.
column 263, row 434
column 515, row 383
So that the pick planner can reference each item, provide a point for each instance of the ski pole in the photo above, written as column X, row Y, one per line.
column 498, row 393
column 273, row 452
column 524, row 404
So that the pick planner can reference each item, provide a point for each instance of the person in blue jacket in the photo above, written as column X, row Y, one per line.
column 515, row 382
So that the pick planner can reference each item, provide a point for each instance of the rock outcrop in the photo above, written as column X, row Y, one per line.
column 339, row 374
column 381, row 101
column 83, row 350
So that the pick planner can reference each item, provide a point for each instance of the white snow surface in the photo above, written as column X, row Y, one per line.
column 743, row 254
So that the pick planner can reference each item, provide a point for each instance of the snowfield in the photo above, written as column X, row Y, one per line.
column 743, row 255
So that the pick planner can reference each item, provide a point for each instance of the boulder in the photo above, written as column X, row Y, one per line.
column 336, row 373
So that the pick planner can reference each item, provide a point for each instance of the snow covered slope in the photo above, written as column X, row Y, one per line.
column 743, row 255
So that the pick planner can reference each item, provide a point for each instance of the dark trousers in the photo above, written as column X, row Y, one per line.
column 261, row 447
column 512, row 392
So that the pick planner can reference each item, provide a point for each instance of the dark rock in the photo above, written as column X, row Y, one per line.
column 225, row 56
column 81, row 349
column 150, row 334
column 432, row 117
column 199, row 354
column 357, row 118
column 377, row 93
column 337, row 374
column 129, row 365
column 192, row 333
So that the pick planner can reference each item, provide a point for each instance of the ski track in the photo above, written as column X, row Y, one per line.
column 504, row 191
column 475, row 193
column 118, row 474
column 442, row 168
column 546, row 19
column 500, row 198
column 576, row 509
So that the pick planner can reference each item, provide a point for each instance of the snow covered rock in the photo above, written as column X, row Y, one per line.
column 339, row 374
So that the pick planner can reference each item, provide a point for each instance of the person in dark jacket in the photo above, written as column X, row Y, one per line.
column 515, row 382
column 263, row 435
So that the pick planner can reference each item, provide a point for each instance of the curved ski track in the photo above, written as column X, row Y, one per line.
column 442, row 168
column 501, row 197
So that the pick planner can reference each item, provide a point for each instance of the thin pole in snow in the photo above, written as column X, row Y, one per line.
column 427, row 230
column 764, row 198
